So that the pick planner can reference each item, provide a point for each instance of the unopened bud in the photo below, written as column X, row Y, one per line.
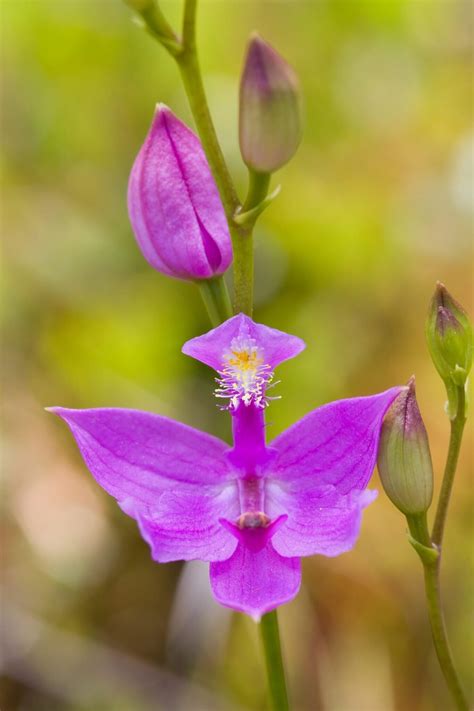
column 174, row 205
column 404, row 459
column 449, row 336
column 269, row 114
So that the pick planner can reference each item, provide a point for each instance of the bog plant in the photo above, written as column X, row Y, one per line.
column 254, row 509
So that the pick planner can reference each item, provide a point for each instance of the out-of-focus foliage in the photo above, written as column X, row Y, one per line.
column 375, row 207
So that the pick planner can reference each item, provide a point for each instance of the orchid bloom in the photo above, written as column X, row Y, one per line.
column 251, row 510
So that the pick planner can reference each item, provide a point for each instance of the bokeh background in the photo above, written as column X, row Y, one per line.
column 376, row 206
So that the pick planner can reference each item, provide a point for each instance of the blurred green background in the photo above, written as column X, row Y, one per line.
column 376, row 206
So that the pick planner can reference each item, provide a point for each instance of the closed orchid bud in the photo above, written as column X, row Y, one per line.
column 270, row 116
column 404, row 459
column 174, row 204
column 449, row 336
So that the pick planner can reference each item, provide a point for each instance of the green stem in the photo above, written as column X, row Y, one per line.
column 419, row 530
column 216, row 299
column 274, row 661
column 189, row 68
column 188, row 64
column 242, row 242
column 243, row 246
column 257, row 189
column 457, row 428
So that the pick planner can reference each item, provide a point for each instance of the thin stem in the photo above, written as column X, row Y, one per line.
column 257, row 189
column 457, row 428
column 274, row 661
column 188, row 64
column 418, row 526
column 216, row 299
column 419, row 530
column 243, row 246
column 440, row 640
column 189, row 24
column 242, row 241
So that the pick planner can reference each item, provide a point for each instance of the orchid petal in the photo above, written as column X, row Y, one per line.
column 320, row 521
column 335, row 444
column 135, row 456
column 276, row 346
column 186, row 525
column 255, row 581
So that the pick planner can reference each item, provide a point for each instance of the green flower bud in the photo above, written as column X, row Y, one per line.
column 269, row 114
column 404, row 459
column 449, row 336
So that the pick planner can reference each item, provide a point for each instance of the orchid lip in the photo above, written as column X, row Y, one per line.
column 244, row 376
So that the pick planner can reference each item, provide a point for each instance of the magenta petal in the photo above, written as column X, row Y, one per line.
column 276, row 346
column 135, row 456
column 320, row 521
column 186, row 525
column 255, row 582
column 174, row 204
column 335, row 444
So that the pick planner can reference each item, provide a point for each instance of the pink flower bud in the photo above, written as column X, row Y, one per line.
column 174, row 204
column 270, row 120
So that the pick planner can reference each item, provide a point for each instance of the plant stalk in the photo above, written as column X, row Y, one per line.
column 419, row 530
column 242, row 242
column 216, row 299
column 457, row 429
column 274, row 661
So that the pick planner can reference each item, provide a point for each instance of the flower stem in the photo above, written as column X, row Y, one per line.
column 216, row 299
column 188, row 64
column 419, row 530
column 257, row 189
column 274, row 661
column 242, row 242
column 457, row 428
column 190, row 70
column 185, row 53
column 243, row 246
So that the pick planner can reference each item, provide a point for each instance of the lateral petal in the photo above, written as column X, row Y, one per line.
column 335, row 444
column 186, row 524
column 319, row 521
column 136, row 456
